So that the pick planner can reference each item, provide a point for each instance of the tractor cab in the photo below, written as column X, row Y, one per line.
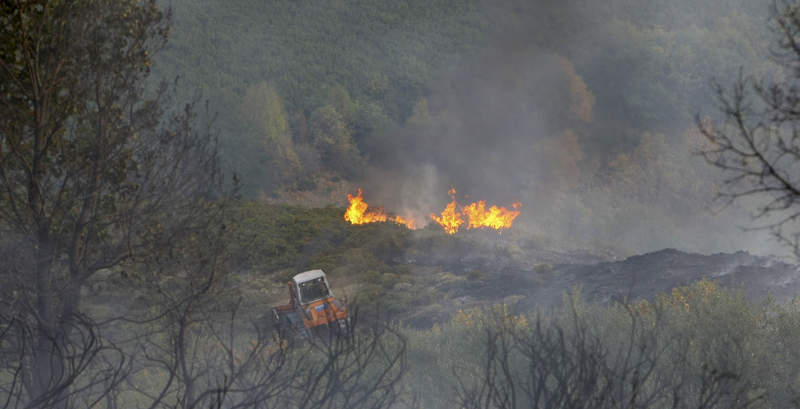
column 312, row 305
column 311, row 286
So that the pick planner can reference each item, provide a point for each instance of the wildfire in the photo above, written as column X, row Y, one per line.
column 410, row 223
column 359, row 213
column 477, row 216
column 497, row 218
column 473, row 216
column 450, row 219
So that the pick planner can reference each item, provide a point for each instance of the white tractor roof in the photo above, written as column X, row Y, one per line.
column 308, row 275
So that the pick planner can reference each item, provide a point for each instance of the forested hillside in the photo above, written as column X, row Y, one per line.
column 410, row 98
column 301, row 87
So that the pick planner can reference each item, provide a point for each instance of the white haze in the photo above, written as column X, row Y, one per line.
column 523, row 121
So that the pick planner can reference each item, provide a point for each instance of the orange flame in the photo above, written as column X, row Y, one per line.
column 477, row 216
column 450, row 219
column 359, row 213
column 409, row 223
column 497, row 218
column 474, row 215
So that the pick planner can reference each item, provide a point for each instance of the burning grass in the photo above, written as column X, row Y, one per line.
column 475, row 215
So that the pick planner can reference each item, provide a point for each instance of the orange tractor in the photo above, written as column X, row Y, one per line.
column 311, row 306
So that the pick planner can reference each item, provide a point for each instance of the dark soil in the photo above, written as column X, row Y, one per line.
column 542, row 278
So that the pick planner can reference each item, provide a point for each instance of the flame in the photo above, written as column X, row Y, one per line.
column 450, row 219
column 477, row 215
column 409, row 223
column 473, row 216
column 359, row 213
column 497, row 218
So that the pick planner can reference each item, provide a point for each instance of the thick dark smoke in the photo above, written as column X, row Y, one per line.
column 555, row 112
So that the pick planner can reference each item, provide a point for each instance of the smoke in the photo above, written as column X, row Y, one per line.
column 560, row 118
column 486, row 131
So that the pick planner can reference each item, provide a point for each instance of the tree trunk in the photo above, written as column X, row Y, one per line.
column 56, row 306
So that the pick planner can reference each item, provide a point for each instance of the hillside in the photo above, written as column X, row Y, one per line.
column 425, row 276
column 594, row 107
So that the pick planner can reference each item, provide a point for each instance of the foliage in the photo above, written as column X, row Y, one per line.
column 699, row 343
column 265, row 118
column 368, row 88
column 363, row 68
column 109, row 188
column 97, row 174
column 269, row 238
column 230, row 360
column 367, row 61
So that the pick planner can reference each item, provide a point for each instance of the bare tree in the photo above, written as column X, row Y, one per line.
column 756, row 142
column 567, row 364
column 213, row 360
column 361, row 370
column 90, row 367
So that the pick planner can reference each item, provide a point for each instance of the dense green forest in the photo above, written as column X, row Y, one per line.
column 301, row 87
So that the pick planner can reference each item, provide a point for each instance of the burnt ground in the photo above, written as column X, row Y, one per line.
column 541, row 278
